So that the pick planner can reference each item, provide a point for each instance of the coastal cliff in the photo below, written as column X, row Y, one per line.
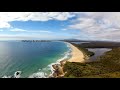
column 58, row 72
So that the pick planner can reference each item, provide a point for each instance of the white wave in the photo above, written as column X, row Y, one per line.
column 17, row 74
column 38, row 75
column 42, row 74
column 66, row 56
column 6, row 76
column 68, row 45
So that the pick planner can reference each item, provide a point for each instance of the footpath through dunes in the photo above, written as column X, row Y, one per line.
column 77, row 55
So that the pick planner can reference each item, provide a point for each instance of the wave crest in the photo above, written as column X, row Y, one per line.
column 38, row 75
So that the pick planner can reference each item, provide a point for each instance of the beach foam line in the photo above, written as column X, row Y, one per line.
column 77, row 55
column 66, row 57
column 17, row 74
column 38, row 75
column 41, row 74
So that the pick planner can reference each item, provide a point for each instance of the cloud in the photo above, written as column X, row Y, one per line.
column 98, row 25
column 4, row 24
column 64, row 29
column 42, row 31
column 29, row 31
column 18, row 30
column 6, row 17
column 89, row 25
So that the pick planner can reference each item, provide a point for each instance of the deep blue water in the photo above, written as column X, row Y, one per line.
column 29, row 57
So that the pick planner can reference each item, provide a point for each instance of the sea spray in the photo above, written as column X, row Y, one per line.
column 17, row 74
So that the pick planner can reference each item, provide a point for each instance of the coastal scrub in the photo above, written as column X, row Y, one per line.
column 108, row 66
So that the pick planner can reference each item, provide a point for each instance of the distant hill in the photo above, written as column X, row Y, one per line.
column 74, row 40
column 78, row 40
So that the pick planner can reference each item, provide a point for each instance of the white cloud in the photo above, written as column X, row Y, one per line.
column 46, row 31
column 83, row 23
column 98, row 25
column 6, row 17
column 18, row 30
column 64, row 29
column 29, row 31
column 42, row 31
column 4, row 24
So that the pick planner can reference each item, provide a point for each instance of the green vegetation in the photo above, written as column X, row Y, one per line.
column 107, row 66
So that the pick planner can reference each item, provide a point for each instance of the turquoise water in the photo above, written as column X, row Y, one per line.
column 34, row 59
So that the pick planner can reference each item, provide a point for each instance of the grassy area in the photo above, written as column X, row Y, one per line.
column 108, row 66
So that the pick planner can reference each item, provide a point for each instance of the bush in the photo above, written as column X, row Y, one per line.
column 108, row 65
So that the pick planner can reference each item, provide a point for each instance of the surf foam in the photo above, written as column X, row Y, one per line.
column 41, row 73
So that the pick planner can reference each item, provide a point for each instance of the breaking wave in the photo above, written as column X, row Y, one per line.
column 49, row 70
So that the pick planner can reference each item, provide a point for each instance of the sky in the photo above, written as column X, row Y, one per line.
column 103, row 26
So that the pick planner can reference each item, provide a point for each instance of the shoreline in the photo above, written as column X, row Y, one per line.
column 72, row 55
column 76, row 56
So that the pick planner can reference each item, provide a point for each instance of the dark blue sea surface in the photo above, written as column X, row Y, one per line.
column 32, row 58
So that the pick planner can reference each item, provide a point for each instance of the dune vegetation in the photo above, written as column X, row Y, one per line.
column 107, row 66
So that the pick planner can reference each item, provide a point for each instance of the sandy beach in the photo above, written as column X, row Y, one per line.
column 77, row 55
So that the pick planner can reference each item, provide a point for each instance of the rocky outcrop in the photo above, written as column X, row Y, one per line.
column 17, row 74
column 58, row 72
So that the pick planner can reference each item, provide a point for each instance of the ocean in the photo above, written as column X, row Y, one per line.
column 33, row 59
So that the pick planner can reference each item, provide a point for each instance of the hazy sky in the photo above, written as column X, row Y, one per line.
column 60, row 25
